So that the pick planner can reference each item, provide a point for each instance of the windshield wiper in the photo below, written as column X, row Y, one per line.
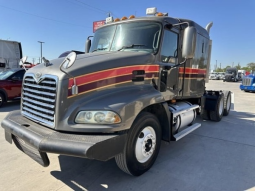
column 99, row 49
column 130, row 46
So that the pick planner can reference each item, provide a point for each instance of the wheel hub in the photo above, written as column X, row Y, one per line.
column 145, row 145
column 148, row 145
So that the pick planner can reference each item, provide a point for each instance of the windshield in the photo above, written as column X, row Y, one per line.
column 133, row 36
column 229, row 72
column 5, row 74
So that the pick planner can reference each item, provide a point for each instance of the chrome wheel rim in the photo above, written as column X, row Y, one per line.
column 145, row 144
column 228, row 103
column 221, row 106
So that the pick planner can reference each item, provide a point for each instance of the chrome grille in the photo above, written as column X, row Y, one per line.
column 38, row 99
column 247, row 81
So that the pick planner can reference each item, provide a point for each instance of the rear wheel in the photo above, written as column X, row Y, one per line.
column 142, row 146
column 227, row 101
column 217, row 114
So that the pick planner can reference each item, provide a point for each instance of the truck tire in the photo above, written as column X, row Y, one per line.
column 227, row 103
column 2, row 99
column 218, row 113
column 142, row 146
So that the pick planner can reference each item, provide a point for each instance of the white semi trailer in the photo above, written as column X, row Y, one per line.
column 10, row 54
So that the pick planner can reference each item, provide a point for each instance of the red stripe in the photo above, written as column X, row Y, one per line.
column 192, row 70
column 96, row 76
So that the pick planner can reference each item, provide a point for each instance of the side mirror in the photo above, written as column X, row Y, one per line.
column 22, row 62
column 189, row 42
column 24, row 59
column 15, row 78
column 88, row 45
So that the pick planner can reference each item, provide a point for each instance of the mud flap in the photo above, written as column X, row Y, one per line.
column 209, row 103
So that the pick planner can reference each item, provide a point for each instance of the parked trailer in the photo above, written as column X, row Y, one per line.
column 141, row 81
column 10, row 54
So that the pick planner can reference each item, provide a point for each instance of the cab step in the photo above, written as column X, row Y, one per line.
column 187, row 131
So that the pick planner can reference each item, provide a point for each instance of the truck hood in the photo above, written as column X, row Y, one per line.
column 93, row 62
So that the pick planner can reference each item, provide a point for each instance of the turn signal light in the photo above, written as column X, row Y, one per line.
column 123, row 18
column 173, row 101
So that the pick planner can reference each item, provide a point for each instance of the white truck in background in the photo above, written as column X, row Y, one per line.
column 241, row 73
column 10, row 54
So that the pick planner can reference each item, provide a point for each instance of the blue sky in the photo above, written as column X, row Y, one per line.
column 66, row 24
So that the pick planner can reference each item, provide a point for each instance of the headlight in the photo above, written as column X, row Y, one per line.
column 253, row 84
column 97, row 117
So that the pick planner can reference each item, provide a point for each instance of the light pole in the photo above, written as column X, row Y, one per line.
column 41, row 49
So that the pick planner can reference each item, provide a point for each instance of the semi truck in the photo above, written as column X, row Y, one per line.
column 232, row 75
column 141, row 81
column 10, row 54
column 248, row 83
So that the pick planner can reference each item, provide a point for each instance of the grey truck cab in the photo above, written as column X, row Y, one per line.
column 142, row 80
column 231, row 75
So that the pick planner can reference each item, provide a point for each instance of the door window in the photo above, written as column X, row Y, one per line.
column 169, row 46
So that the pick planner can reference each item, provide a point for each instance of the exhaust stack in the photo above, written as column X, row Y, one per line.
column 208, row 27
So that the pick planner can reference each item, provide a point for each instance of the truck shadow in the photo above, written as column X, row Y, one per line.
column 180, row 165
column 10, row 106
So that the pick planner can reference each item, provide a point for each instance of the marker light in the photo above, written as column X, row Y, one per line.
column 97, row 117
column 123, row 18
column 131, row 16
column 160, row 14
column 116, row 20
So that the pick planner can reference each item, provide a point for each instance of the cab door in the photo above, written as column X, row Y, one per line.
column 169, row 74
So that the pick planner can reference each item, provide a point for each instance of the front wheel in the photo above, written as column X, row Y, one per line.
column 142, row 146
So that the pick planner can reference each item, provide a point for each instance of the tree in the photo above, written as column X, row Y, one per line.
column 246, row 68
column 251, row 66
column 219, row 70
column 238, row 67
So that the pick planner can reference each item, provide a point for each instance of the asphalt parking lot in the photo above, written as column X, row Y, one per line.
column 217, row 156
